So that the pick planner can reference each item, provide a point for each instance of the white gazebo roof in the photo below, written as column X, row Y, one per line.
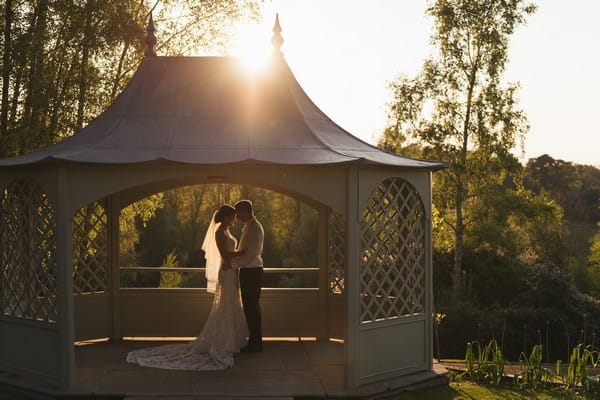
column 207, row 111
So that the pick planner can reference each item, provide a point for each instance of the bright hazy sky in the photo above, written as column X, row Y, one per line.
column 343, row 53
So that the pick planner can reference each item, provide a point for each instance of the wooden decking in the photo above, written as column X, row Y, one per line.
column 286, row 369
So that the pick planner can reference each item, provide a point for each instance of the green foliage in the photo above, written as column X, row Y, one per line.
column 486, row 364
column 63, row 62
column 170, row 279
column 533, row 374
column 577, row 375
column 175, row 221
column 457, row 110
column 594, row 259
column 478, row 391
column 546, row 308
column 510, row 229
column 576, row 188
column 141, row 211
column 138, row 213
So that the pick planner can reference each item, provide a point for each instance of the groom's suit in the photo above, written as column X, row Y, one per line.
column 251, row 276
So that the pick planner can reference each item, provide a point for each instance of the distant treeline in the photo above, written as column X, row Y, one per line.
column 545, row 286
column 575, row 187
column 174, row 223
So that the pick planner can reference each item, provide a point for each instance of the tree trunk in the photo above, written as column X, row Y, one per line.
column 458, row 245
column 117, row 78
column 6, row 70
column 461, row 193
column 85, row 56
column 34, row 95
column 15, row 97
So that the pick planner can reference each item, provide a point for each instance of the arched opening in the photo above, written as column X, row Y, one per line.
column 156, row 285
column 166, row 229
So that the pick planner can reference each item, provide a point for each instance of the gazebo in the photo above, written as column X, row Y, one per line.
column 193, row 120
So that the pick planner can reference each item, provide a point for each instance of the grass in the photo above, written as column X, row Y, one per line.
column 474, row 391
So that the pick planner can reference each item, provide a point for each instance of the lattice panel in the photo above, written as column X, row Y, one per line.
column 336, row 239
column 27, row 252
column 90, row 249
column 392, row 268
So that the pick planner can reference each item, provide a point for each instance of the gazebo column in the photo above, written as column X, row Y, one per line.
column 351, row 280
column 427, row 205
column 64, row 258
column 323, row 333
column 114, row 274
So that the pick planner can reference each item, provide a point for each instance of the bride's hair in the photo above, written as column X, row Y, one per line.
column 224, row 211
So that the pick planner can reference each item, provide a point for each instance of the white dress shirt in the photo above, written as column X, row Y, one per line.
column 252, row 239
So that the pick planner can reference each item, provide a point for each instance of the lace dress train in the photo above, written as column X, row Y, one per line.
column 224, row 333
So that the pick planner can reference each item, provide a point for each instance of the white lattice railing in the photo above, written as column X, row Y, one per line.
column 27, row 252
column 90, row 249
column 336, row 252
column 392, row 267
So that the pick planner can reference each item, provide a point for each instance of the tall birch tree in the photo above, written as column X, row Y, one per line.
column 458, row 108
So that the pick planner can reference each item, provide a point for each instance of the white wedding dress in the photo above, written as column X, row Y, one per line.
column 224, row 332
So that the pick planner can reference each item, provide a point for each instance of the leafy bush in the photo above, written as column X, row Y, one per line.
column 549, row 311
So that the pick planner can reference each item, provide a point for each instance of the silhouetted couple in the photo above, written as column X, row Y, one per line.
column 234, row 271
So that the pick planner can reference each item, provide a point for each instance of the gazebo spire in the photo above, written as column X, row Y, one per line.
column 150, row 39
column 277, row 40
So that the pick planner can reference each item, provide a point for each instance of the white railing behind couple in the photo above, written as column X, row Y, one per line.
column 267, row 270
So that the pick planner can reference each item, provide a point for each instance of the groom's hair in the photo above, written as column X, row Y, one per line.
column 244, row 205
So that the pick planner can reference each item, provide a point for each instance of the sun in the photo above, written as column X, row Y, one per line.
column 252, row 44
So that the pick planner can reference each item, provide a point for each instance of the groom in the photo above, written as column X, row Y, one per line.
column 250, row 266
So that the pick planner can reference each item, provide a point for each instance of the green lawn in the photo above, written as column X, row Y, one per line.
column 473, row 391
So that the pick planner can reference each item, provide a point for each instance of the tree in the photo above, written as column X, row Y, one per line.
column 6, row 69
column 575, row 187
column 594, row 260
column 174, row 222
column 457, row 109
column 170, row 279
column 64, row 61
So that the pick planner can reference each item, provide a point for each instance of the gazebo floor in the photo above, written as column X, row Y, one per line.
column 285, row 369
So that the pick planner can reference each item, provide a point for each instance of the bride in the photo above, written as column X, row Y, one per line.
column 225, row 330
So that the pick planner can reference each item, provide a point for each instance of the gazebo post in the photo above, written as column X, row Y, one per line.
column 64, row 243
column 323, row 333
column 113, row 212
column 351, row 279
column 427, row 204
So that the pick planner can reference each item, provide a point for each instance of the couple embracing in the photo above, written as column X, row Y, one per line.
column 233, row 271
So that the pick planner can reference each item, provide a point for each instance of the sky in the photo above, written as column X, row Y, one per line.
column 345, row 52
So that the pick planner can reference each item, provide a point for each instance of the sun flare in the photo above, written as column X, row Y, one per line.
column 252, row 44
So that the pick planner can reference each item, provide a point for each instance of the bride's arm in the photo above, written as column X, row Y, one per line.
column 238, row 253
column 221, row 240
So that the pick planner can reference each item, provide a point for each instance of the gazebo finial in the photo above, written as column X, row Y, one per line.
column 277, row 40
column 150, row 39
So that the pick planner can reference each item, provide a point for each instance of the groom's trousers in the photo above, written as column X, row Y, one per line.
column 250, row 284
